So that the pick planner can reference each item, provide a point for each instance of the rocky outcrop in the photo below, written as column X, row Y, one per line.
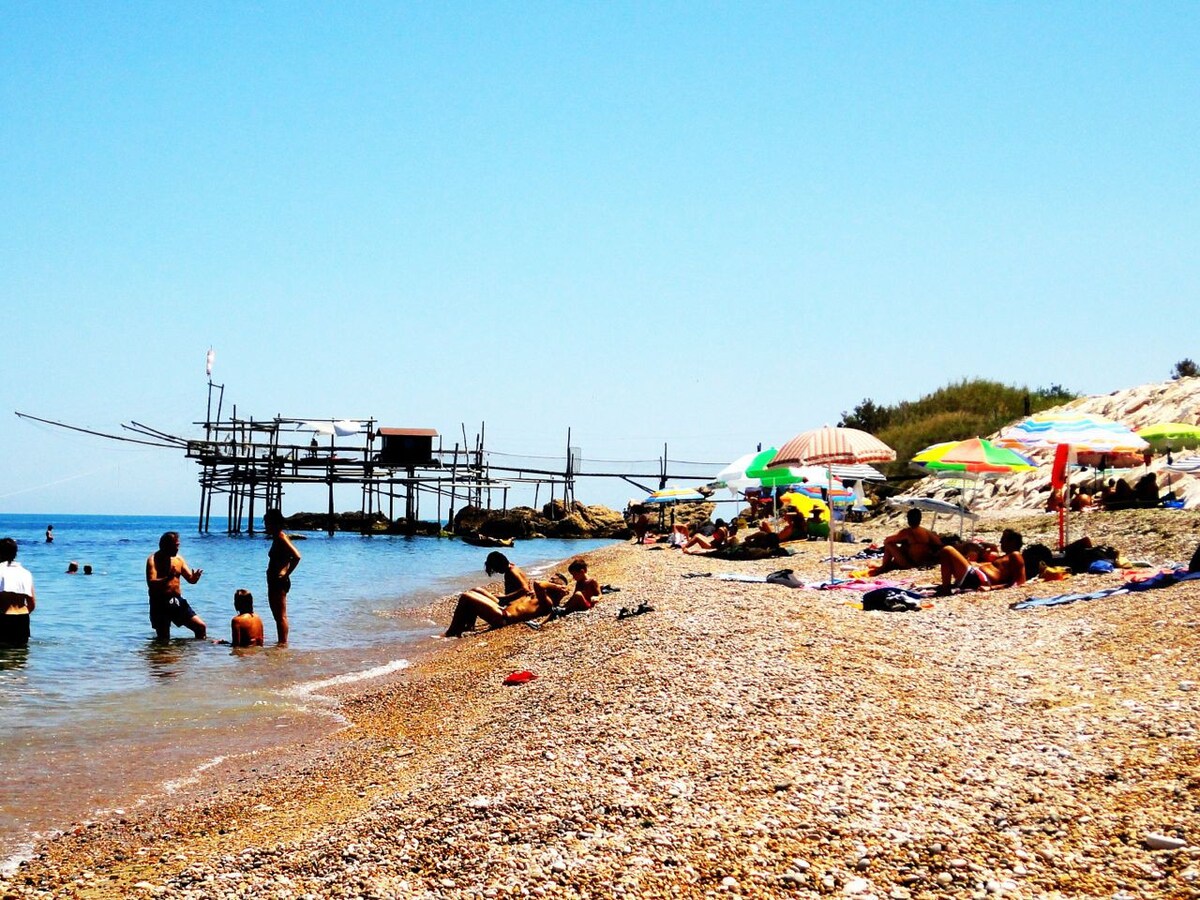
column 358, row 523
column 556, row 519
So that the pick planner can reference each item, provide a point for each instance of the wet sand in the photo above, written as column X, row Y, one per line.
column 741, row 739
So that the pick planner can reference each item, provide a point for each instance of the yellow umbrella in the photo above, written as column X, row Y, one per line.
column 805, row 505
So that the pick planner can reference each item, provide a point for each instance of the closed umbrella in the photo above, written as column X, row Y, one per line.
column 829, row 446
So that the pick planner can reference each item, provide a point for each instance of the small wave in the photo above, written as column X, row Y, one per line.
column 22, row 853
column 308, row 688
column 170, row 787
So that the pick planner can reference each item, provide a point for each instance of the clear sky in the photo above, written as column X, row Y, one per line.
column 708, row 225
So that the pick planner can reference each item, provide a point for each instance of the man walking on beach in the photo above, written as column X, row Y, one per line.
column 167, row 605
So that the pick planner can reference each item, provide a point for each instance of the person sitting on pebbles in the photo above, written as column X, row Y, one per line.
column 718, row 538
column 586, row 590
column 1005, row 569
column 911, row 547
column 521, row 601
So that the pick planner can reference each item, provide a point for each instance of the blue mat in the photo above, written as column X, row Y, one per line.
column 1161, row 580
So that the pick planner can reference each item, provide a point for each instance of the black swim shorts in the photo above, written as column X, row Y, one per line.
column 279, row 585
column 14, row 631
column 175, row 611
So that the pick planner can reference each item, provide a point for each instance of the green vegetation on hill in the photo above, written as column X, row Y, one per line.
column 958, row 411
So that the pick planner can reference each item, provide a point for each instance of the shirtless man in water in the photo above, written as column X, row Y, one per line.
column 911, row 547
column 998, row 571
column 167, row 606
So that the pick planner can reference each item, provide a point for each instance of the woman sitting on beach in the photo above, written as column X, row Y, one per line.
column 522, row 599
column 718, row 538
column 1005, row 569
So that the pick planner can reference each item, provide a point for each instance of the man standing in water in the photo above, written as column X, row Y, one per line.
column 167, row 606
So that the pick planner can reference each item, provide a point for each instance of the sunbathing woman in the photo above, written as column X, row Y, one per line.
column 522, row 599
column 996, row 571
column 718, row 538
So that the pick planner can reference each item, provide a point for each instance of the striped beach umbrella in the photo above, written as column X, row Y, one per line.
column 1082, row 432
column 675, row 495
column 829, row 446
column 1190, row 464
column 1069, row 433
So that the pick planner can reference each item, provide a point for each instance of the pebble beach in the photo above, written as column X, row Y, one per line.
column 740, row 739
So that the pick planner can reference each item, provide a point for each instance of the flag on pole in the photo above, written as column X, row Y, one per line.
column 208, row 361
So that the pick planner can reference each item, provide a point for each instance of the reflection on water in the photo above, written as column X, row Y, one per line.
column 13, row 658
column 163, row 658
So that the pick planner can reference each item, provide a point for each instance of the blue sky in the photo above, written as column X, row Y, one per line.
column 705, row 225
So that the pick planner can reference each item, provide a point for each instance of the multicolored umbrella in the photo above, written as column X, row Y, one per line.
column 676, row 495
column 974, row 455
column 750, row 471
column 1077, row 432
column 1168, row 436
column 1082, row 432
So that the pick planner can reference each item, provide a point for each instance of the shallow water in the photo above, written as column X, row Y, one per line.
column 100, row 714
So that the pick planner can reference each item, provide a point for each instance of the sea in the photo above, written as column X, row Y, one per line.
column 97, row 718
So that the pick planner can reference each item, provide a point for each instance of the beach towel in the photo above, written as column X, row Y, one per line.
column 1134, row 584
column 860, row 584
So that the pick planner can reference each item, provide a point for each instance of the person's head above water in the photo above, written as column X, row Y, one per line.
column 496, row 563
column 243, row 601
column 273, row 520
column 72, row 567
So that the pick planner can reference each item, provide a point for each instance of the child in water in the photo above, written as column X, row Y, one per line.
column 246, row 626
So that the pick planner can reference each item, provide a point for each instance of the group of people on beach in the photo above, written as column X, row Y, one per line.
column 965, row 565
column 1115, row 494
column 523, row 599
column 166, row 570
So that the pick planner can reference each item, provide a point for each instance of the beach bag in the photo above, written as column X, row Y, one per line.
column 1055, row 573
column 891, row 600
column 1036, row 556
column 1100, row 567
column 785, row 577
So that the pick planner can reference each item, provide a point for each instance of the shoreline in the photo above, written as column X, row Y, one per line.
column 742, row 737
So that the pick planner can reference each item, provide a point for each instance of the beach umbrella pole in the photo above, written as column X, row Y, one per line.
column 829, row 474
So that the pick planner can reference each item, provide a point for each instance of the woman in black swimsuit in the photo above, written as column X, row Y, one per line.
column 282, row 559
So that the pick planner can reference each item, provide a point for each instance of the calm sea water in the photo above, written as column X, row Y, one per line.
column 99, row 714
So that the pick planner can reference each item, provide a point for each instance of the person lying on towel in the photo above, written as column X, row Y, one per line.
column 1005, row 569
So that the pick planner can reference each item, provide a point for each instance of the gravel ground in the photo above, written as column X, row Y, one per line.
column 742, row 739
